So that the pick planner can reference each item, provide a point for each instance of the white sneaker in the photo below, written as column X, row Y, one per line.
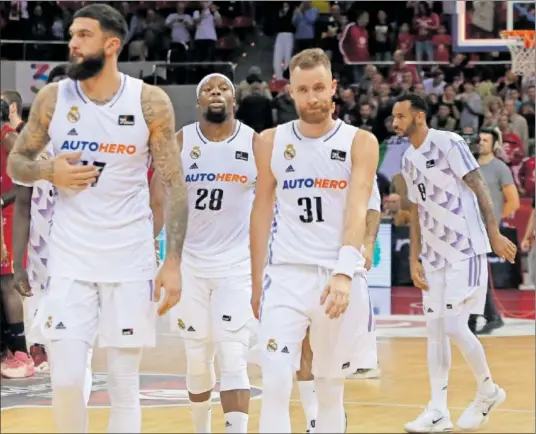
column 431, row 420
column 364, row 374
column 477, row 414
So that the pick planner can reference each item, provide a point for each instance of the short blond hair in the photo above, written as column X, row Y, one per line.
column 309, row 59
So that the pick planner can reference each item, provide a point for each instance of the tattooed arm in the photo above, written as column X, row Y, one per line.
column 160, row 118
column 22, row 163
column 476, row 183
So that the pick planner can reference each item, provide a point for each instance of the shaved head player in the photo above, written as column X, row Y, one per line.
column 321, row 174
column 104, row 128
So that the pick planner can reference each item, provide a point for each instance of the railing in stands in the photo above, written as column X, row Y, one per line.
column 384, row 63
column 190, row 72
column 17, row 49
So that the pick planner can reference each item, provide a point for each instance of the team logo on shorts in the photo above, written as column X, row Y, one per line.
column 73, row 115
column 48, row 324
column 272, row 345
column 290, row 152
column 195, row 153
column 180, row 324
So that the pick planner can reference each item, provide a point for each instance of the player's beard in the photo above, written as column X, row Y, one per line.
column 89, row 67
column 320, row 114
column 410, row 130
column 215, row 116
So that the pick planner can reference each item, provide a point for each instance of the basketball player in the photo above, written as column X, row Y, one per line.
column 320, row 172
column 104, row 127
column 17, row 362
column 451, row 213
column 214, row 315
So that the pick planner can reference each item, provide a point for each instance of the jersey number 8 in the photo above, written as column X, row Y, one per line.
column 312, row 211
column 214, row 199
column 422, row 190
column 100, row 167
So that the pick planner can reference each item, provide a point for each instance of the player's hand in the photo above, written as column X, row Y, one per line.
column 504, row 248
column 168, row 278
column 367, row 254
column 337, row 295
column 417, row 275
column 525, row 245
column 68, row 174
column 21, row 282
column 256, row 295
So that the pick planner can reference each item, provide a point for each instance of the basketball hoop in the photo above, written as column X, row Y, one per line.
column 521, row 46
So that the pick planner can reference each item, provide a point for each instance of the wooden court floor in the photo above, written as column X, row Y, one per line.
column 373, row 406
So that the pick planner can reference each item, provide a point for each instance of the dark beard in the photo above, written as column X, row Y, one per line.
column 215, row 117
column 88, row 68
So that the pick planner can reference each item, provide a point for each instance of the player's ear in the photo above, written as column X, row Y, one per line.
column 333, row 87
column 112, row 45
column 289, row 90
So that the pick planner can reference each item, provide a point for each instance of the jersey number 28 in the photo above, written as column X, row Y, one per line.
column 100, row 167
column 213, row 197
column 312, row 207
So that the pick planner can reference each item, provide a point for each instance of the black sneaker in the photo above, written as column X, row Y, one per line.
column 495, row 323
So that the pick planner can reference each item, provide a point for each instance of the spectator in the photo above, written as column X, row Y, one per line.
column 383, row 37
column 365, row 120
column 443, row 120
column 392, row 210
column 39, row 26
column 526, row 177
column 349, row 111
column 511, row 141
column 245, row 87
column 285, row 110
column 495, row 107
column 366, row 81
column 304, row 19
column 284, row 40
column 471, row 107
column 354, row 45
column 405, row 41
column 205, row 21
column 331, row 33
column 153, row 35
column 398, row 70
column 436, row 84
column 180, row 24
column 530, row 96
column 518, row 122
column 442, row 43
column 527, row 111
column 425, row 24
column 255, row 109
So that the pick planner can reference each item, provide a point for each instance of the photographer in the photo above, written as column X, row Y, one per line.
column 16, row 363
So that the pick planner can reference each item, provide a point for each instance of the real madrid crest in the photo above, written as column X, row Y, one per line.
column 195, row 153
column 48, row 324
column 180, row 324
column 272, row 345
column 74, row 115
column 290, row 152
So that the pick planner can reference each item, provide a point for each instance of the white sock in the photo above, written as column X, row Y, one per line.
column 330, row 393
column 88, row 381
column 439, row 360
column 309, row 402
column 202, row 416
column 236, row 422
column 124, row 389
column 472, row 351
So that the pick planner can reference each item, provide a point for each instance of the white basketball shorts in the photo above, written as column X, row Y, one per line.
column 457, row 288
column 214, row 309
column 291, row 303
column 32, row 307
column 122, row 314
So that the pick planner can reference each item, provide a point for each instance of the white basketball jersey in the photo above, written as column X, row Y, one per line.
column 105, row 233
column 313, row 177
column 221, row 181
column 451, row 224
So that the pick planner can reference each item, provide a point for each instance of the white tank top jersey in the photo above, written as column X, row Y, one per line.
column 452, row 228
column 105, row 233
column 41, row 211
column 313, row 177
column 221, row 179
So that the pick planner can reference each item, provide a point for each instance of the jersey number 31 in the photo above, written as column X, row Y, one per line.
column 312, row 209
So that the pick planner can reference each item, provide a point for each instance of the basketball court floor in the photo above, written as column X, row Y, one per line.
column 373, row 406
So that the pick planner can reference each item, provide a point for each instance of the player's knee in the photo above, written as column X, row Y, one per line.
column 277, row 376
column 457, row 329
column 68, row 365
column 123, row 377
column 329, row 391
column 200, row 374
column 305, row 373
column 233, row 366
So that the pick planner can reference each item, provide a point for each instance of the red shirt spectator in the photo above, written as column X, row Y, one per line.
column 527, row 176
column 399, row 68
column 442, row 43
column 405, row 41
column 425, row 23
column 354, row 41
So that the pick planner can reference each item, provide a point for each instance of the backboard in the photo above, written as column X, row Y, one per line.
column 476, row 24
